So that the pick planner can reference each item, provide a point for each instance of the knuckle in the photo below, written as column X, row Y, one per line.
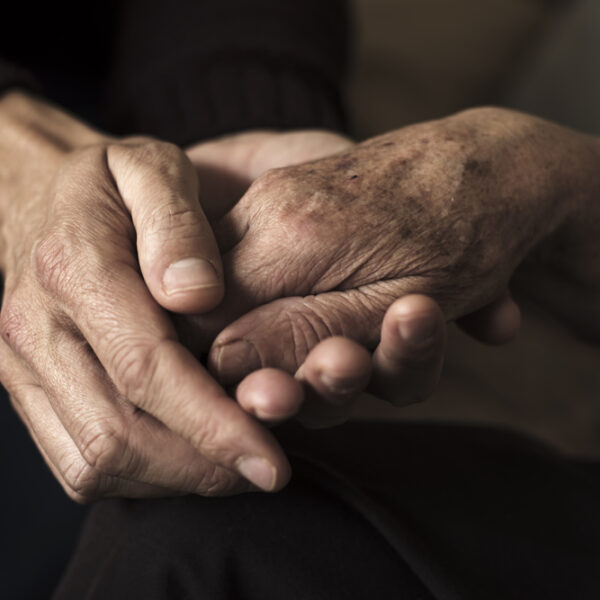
column 54, row 258
column 205, row 435
column 173, row 219
column 14, row 327
column 268, row 179
column 104, row 447
column 133, row 365
column 168, row 159
column 307, row 329
column 272, row 187
column 217, row 481
column 153, row 151
column 82, row 482
column 217, row 437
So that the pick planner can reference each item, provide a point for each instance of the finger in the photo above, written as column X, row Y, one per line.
column 79, row 480
column 334, row 373
column 113, row 437
column 497, row 323
column 408, row 360
column 270, row 395
column 134, row 341
column 177, row 251
column 281, row 333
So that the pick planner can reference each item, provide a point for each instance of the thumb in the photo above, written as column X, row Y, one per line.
column 282, row 333
column 177, row 251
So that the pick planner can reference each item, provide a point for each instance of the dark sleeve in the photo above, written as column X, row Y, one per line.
column 189, row 70
column 15, row 76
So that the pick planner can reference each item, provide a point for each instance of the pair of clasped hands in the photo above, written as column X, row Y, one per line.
column 163, row 308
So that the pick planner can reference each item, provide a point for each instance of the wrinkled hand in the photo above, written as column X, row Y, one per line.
column 448, row 209
column 98, row 237
column 336, row 371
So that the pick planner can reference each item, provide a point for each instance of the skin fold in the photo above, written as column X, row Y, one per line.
column 452, row 209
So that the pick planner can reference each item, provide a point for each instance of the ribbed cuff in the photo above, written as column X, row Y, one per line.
column 193, row 98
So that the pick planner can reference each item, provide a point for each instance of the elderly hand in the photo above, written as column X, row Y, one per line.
column 336, row 371
column 99, row 236
column 448, row 209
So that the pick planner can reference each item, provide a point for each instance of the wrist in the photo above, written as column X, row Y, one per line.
column 562, row 273
column 571, row 249
column 32, row 127
column 36, row 137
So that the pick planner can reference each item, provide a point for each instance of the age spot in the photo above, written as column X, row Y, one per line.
column 475, row 167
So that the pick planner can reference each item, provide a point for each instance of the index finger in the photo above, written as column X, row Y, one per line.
column 135, row 342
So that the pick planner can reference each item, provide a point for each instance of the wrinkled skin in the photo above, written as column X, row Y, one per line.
column 406, row 365
column 90, row 357
column 448, row 209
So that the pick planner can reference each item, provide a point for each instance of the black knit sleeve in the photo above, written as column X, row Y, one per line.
column 187, row 70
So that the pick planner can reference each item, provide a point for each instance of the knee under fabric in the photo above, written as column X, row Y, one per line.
column 373, row 511
column 302, row 543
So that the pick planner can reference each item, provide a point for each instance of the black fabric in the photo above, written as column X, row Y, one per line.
column 409, row 511
column 38, row 523
column 65, row 48
column 183, row 71
column 208, row 68
column 301, row 544
column 476, row 512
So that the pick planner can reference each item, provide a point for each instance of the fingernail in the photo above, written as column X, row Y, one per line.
column 258, row 471
column 339, row 386
column 189, row 274
column 235, row 360
column 418, row 331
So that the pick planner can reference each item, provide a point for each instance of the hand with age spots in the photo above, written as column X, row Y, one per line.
column 407, row 362
column 337, row 370
column 447, row 210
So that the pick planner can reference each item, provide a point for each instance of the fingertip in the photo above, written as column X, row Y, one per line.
column 335, row 371
column 340, row 363
column 408, row 361
column 507, row 322
column 263, row 474
column 414, row 326
column 495, row 324
column 270, row 394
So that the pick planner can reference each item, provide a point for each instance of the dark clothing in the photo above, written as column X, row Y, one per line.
column 38, row 523
column 185, row 70
column 396, row 511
